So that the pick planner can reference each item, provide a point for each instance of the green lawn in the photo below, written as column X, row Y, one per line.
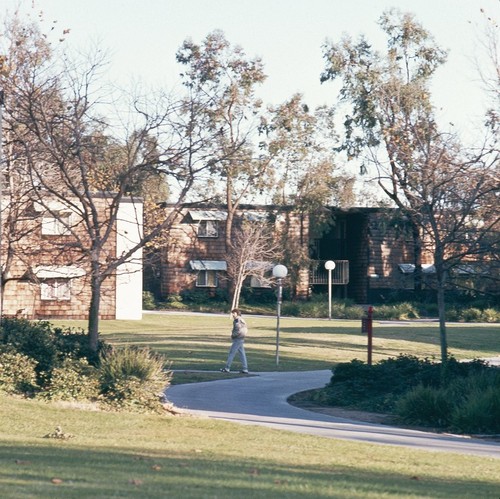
column 131, row 455
column 201, row 342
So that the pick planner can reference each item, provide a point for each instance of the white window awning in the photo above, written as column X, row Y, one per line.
column 55, row 272
column 55, row 206
column 258, row 266
column 406, row 268
column 208, row 265
column 198, row 215
column 467, row 269
column 255, row 216
column 409, row 268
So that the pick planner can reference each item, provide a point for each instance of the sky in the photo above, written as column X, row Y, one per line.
column 142, row 37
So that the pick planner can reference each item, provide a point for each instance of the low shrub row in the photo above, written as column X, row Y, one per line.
column 317, row 307
column 37, row 360
column 458, row 396
column 346, row 309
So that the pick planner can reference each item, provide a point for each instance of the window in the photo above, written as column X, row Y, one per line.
column 56, row 225
column 208, row 228
column 207, row 279
column 55, row 289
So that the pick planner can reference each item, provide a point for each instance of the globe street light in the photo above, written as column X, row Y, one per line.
column 329, row 265
column 280, row 272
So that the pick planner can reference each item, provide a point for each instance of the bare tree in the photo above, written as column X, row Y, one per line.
column 78, row 163
column 253, row 251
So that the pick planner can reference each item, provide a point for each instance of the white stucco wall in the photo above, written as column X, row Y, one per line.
column 129, row 275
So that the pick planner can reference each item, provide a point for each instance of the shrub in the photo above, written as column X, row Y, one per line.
column 174, row 298
column 134, row 378
column 173, row 301
column 472, row 314
column 47, row 345
column 148, row 300
column 378, row 387
column 74, row 380
column 425, row 406
column 454, row 374
column 17, row 373
column 317, row 306
column 205, row 299
column 400, row 311
column 176, row 305
column 130, row 394
column 257, row 296
column 196, row 296
column 75, row 343
column 35, row 340
column 291, row 309
column 464, row 396
column 480, row 412
column 346, row 310
column 490, row 315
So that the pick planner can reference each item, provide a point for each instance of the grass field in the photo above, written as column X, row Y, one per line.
column 131, row 455
column 202, row 341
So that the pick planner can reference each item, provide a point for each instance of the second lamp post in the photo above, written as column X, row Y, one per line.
column 329, row 265
column 280, row 272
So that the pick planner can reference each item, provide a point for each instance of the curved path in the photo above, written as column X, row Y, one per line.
column 261, row 399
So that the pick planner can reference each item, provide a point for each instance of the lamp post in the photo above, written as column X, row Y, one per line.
column 280, row 272
column 329, row 265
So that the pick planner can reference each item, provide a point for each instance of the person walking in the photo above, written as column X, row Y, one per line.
column 238, row 334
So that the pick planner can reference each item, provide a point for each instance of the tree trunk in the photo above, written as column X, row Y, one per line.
column 236, row 298
column 442, row 317
column 95, row 303
column 229, row 228
column 417, row 258
column 238, row 285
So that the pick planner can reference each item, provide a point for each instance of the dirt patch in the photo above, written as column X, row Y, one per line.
column 340, row 412
column 303, row 401
column 365, row 417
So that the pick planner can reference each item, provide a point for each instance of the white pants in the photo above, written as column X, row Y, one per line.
column 237, row 346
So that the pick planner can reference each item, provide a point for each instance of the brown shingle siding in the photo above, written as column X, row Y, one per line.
column 184, row 245
column 22, row 289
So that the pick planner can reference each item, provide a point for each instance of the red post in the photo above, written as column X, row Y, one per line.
column 367, row 327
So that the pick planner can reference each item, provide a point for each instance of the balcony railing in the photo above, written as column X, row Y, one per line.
column 319, row 275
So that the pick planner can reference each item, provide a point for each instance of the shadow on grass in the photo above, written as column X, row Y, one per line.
column 48, row 471
column 210, row 353
column 302, row 348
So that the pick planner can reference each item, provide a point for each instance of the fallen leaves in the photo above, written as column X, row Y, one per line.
column 20, row 461
column 59, row 434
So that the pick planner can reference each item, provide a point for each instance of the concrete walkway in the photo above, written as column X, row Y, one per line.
column 261, row 399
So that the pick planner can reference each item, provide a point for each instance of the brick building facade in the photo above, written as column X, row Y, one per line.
column 195, row 254
column 371, row 248
column 47, row 278
column 377, row 248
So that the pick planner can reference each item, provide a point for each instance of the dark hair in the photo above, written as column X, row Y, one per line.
column 236, row 311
